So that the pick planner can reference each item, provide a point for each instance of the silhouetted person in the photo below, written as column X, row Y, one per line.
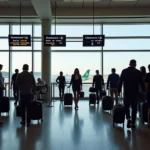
column 61, row 81
column 131, row 78
column 98, row 83
column 112, row 81
column 1, row 88
column 147, row 86
column 143, row 70
column 76, row 82
column 13, row 84
column 26, row 84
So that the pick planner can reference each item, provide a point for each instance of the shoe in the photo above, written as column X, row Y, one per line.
column 77, row 107
column 129, row 124
column 22, row 123
column 1, row 123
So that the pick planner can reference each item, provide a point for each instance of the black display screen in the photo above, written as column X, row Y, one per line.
column 19, row 40
column 54, row 40
column 93, row 40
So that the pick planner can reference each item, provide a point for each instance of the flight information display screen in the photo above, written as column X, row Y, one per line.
column 19, row 40
column 54, row 40
column 93, row 40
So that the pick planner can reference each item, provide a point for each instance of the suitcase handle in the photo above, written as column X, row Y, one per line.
column 68, row 89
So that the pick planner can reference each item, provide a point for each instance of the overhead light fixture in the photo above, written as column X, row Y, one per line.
column 124, row 0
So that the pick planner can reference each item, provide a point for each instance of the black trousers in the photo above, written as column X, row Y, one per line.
column 61, row 91
column 25, row 102
column 98, row 93
column 16, row 94
column 131, row 100
column 1, row 98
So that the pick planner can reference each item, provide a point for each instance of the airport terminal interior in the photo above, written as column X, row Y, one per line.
column 56, row 36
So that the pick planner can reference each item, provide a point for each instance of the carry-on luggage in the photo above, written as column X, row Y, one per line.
column 107, row 103
column 92, row 99
column 5, row 105
column 36, row 110
column 92, row 89
column 144, row 112
column 68, row 98
column 118, row 114
column 103, row 92
column 81, row 94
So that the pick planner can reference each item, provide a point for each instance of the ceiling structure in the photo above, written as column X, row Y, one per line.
column 75, row 11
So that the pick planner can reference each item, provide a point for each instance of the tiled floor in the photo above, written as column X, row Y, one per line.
column 66, row 129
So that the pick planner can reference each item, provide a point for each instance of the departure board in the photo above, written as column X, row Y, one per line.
column 19, row 40
column 54, row 40
column 93, row 40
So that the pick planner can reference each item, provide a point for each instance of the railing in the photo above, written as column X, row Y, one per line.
column 54, row 91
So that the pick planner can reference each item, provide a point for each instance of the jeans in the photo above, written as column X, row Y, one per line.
column 16, row 94
column 25, row 101
column 98, row 93
column 61, row 91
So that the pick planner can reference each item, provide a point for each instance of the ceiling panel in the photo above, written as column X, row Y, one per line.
column 3, row 4
column 17, row 4
column 68, row 4
column 143, row 3
column 103, row 3
column 122, row 4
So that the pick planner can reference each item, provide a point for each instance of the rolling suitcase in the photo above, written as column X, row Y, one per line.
column 92, row 89
column 81, row 94
column 92, row 99
column 107, row 103
column 144, row 112
column 119, row 114
column 5, row 105
column 36, row 110
column 68, row 98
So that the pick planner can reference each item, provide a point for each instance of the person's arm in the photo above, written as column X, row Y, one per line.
column 17, row 81
column 142, row 84
column 71, row 81
column 147, row 82
column 1, row 80
column 64, row 80
column 81, row 82
column 108, row 81
column 34, row 84
column 121, row 80
column 93, row 81
column 12, row 81
column 103, row 81
column 57, row 80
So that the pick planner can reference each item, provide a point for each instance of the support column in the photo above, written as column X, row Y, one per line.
column 46, row 55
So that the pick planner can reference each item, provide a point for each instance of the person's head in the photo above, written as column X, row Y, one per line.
column 143, row 69
column 76, row 71
column 113, row 70
column 149, row 67
column 25, row 67
column 61, row 73
column 39, row 80
column 132, row 63
column 97, row 72
column 16, row 71
column 1, row 66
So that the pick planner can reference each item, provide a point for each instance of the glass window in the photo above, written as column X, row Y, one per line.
column 37, row 44
column 4, row 30
column 4, row 60
column 120, row 60
column 21, row 58
column 127, row 30
column 86, row 62
column 75, row 46
column 127, row 44
column 37, row 65
column 25, row 29
column 4, row 44
column 37, row 30
column 76, row 30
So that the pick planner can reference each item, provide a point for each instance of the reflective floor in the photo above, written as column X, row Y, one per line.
column 66, row 129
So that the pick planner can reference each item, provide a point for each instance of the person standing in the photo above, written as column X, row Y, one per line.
column 76, row 82
column 131, row 78
column 61, row 81
column 13, row 84
column 1, row 88
column 98, row 83
column 26, row 84
column 147, row 86
column 112, row 81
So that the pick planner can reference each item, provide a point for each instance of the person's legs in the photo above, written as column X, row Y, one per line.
column 78, row 96
column 60, row 92
column 63, row 89
column 134, row 111
column 23, row 106
column 116, row 95
column 112, row 94
column 1, row 100
column 28, row 109
column 75, row 98
column 16, row 94
column 97, row 94
column 127, row 109
column 149, row 117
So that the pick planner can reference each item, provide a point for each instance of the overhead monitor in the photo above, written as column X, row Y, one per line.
column 93, row 40
column 54, row 40
column 19, row 40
